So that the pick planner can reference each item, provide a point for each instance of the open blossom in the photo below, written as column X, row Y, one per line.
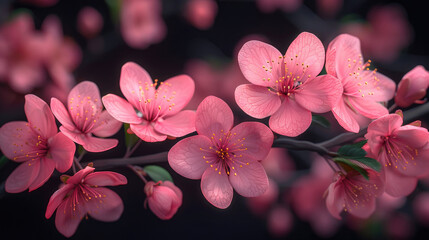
column 351, row 192
column 20, row 65
column 286, row 86
column 363, row 88
column 221, row 156
column 163, row 198
column 36, row 145
column 403, row 151
column 84, row 116
column 141, row 22
column 85, row 193
column 412, row 87
column 153, row 109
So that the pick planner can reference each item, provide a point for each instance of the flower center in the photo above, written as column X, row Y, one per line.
column 398, row 154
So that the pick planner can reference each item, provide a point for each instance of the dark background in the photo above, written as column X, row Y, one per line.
column 22, row 215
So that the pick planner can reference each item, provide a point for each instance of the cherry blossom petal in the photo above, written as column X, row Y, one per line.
column 345, row 116
column 175, row 189
column 67, row 218
column 213, row 117
column 335, row 201
column 249, row 180
column 379, row 88
column 216, row 188
column 120, row 109
column 319, row 94
column 187, row 159
column 57, row 198
column 305, row 56
column 39, row 116
column 178, row 125
column 106, row 125
column 163, row 202
column 105, row 178
column 84, row 104
column 136, row 84
column 291, row 119
column 76, row 137
column 22, row 177
column 178, row 91
column 383, row 126
column 343, row 56
column 260, row 63
column 46, row 169
column 256, row 101
column 368, row 108
column 94, row 144
column 255, row 137
column 107, row 208
column 147, row 133
column 61, row 113
column 398, row 185
column 61, row 150
column 415, row 137
column 12, row 137
column 77, row 178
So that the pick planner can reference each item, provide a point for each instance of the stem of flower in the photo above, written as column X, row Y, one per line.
column 130, row 151
column 114, row 162
column 133, row 168
column 393, row 107
column 302, row 145
column 77, row 164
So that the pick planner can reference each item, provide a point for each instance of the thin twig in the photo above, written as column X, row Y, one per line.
column 114, row 162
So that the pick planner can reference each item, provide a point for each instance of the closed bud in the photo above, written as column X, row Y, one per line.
column 163, row 198
column 412, row 87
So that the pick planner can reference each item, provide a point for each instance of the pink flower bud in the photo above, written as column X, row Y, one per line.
column 164, row 198
column 412, row 87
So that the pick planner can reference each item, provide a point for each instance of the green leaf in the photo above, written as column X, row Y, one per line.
column 322, row 121
column 130, row 139
column 370, row 162
column 349, row 163
column 158, row 173
column 353, row 151
column 3, row 161
column 80, row 149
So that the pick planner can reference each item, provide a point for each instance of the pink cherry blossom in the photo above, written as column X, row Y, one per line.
column 403, row 151
column 421, row 208
column 20, row 65
column 221, row 156
column 84, row 116
column 412, row 87
column 351, row 192
column 363, row 88
column 201, row 13
column 89, row 22
column 36, row 145
column 164, row 198
column 141, row 22
column 286, row 87
column 158, row 104
column 85, row 194
column 278, row 164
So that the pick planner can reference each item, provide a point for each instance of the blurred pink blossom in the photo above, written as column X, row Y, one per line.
column 400, row 227
column 222, row 156
column 84, row 116
column 141, row 22
column 386, row 33
column 201, row 13
column 36, row 145
column 412, row 88
column 261, row 204
column 421, row 208
column 278, row 164
column 280, row 221
column 163, row 198
column 329, row 8
column 89, row 22
column 85, row 194
column 20, row 62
